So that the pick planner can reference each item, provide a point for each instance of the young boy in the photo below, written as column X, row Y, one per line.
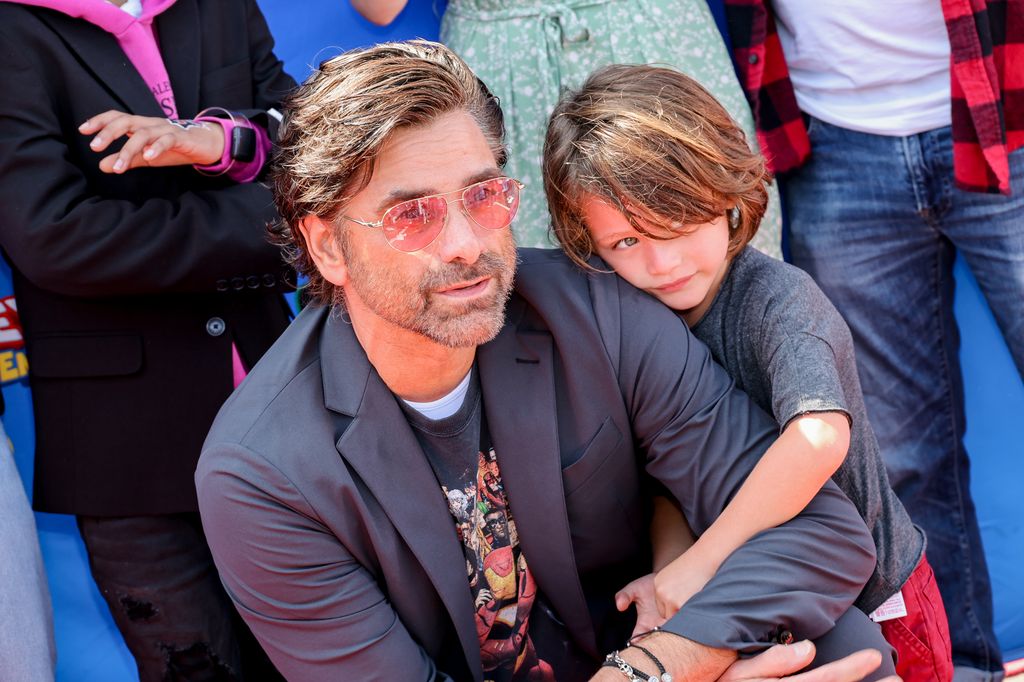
column 646, row 170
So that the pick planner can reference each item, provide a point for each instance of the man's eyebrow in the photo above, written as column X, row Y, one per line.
column 399, row 195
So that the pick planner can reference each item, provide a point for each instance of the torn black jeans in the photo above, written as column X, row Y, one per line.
column 158, row 579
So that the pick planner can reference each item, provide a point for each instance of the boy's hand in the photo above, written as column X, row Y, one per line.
column 153, row 141
column 641, row 593
column 677, row 582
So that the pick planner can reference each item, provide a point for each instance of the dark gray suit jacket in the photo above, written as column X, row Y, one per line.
column 333, row 538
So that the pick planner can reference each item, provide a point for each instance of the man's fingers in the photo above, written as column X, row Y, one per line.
column 853, row 668
column 626, row 596
column 779, row 662
column 776, row 662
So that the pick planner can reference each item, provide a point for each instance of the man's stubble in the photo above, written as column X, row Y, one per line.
column 393, row 296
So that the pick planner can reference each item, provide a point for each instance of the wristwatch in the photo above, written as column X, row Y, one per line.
column 243, row 144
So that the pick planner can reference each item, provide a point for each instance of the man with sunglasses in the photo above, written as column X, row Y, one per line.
column 350, row 489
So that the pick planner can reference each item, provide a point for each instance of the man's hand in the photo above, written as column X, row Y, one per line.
column 777, row 663
column 153, row 141
column 641, row 593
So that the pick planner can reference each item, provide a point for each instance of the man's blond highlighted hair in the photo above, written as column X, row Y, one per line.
column 337, row 122
column 656, row 145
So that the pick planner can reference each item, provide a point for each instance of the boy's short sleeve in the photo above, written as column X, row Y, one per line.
column 807, row 352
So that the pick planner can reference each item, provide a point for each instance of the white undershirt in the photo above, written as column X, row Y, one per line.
column 132, row 7
column 446, row 405
column 867, row 65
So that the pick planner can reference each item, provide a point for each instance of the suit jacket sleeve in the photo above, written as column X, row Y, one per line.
column 268, row 73
column 66, row 235
column 702, row 436
column 329, row 619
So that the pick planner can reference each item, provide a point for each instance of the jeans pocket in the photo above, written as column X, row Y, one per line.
column 913, row 657
column 810, row 123
column 917, row 660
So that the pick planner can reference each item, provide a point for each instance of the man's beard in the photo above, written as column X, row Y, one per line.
column 390, row 294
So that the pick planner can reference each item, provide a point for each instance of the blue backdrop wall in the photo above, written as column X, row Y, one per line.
column 89, row 647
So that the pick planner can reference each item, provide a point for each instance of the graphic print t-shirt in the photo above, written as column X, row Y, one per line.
column 501, row 585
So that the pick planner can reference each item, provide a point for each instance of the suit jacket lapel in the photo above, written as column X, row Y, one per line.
column 380, row 445
column 177, row 29
column 101, row 54
column 518, row 382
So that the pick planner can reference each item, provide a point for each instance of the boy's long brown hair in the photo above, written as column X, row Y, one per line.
column 656, row 145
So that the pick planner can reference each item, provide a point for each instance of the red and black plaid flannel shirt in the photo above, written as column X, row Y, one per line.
column 987, row 41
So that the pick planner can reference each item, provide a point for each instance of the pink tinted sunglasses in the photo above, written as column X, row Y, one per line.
column 414, row 224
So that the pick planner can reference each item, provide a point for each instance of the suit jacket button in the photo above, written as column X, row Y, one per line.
column 269, row 280
column 215, row 326
column 252, row 281
column 222, row 285
column 237, row 283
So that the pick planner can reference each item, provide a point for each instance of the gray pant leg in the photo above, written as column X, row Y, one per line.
column 27, row 649
column 853, row 632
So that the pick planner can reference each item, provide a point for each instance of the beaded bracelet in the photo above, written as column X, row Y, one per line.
column 641, row 635
column 663, row 675
column 613, row 660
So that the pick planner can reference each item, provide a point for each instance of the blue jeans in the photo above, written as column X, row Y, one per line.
column 27, row 650
column 158, row 578
column 877, row 222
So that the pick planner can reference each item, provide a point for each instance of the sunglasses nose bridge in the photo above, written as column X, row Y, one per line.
column 461, row 201
column 459, row 239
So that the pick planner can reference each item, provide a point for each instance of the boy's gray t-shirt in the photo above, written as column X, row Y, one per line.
column 788, row 348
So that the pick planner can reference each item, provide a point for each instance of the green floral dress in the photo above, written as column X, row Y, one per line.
column 528, row 51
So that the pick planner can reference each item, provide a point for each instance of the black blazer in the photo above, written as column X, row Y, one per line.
column 131, row 288
column 332, row 537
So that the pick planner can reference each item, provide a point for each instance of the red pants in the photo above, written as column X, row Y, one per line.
column 921, row 638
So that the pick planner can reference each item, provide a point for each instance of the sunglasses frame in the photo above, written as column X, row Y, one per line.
column 460, row 199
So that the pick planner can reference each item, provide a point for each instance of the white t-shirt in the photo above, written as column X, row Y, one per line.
column 446, row 405
column 876, row 67
column 132, row 7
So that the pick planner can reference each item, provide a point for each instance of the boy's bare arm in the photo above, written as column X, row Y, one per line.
column 670, row 533
column 782, row 483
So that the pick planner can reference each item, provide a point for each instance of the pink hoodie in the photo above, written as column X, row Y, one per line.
column 135, row 36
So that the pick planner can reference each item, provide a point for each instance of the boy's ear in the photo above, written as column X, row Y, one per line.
column 324, row 249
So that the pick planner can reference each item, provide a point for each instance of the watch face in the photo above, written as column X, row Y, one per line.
column 243, row 144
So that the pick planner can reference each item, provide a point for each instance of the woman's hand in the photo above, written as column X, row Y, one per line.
column 153, row 141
